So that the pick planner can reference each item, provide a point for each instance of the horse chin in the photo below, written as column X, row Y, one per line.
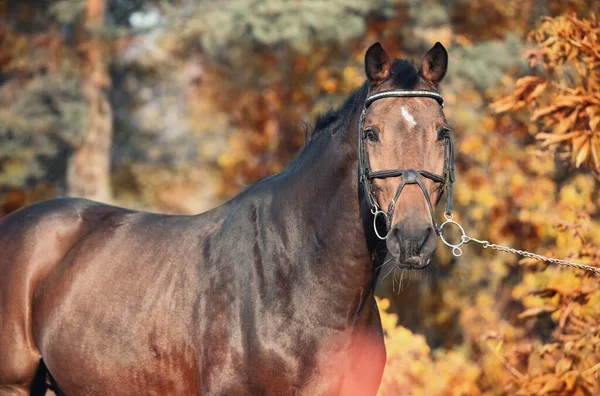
column 416, row 263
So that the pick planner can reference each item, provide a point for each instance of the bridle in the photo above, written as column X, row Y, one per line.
column 409, row 176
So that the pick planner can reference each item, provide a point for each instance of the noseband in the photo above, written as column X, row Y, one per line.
column 408, row 176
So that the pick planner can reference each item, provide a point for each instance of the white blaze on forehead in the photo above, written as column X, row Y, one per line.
column 408, row 117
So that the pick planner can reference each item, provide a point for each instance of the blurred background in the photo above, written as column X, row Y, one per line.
column 175, row 106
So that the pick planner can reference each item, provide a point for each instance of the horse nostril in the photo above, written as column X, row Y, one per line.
column 429, row 242
column 404, row 242
column 393, row 241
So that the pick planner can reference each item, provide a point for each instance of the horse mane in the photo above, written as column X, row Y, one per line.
column 339, row 117
column 405, row 76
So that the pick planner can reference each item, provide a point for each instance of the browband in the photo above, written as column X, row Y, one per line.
column 405, row 93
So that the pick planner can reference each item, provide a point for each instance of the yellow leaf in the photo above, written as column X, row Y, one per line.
column 578, row 142
column 583, row 154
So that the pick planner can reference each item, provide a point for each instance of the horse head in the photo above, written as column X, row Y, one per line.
column 405, row 151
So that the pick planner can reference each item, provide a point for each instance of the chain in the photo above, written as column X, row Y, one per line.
column 464, row 239
column 539, row 257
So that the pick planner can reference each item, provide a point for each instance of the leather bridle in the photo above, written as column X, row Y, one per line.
column 409, row 176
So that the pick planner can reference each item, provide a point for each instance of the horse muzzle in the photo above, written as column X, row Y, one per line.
column 412, row 247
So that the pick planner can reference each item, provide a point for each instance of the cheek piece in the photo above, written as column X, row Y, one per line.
column 408, row 176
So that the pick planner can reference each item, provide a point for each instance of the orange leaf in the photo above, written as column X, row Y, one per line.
column 528, row 80
column 568, row 101
column 550, row 138
column 583, row 154
column 543, row 112
column 528, row 261
column 578, row 142
column 537, row 91
column 566, row 123
column 536, row 311
column 594, row 122
column 503, row 105
column 570, row 379
column 552, row 384
column 563, row 365
column 595, row 154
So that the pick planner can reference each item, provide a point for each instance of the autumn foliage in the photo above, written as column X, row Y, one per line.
column 525, row 327
column 564, row 99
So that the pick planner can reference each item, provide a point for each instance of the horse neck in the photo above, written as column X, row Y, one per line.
column 323, row 191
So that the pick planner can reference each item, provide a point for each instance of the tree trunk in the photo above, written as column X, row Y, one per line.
column 88, row 174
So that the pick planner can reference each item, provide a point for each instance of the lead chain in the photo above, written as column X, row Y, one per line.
column 464, row 239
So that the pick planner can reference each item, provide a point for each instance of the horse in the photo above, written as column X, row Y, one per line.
column 271, row 293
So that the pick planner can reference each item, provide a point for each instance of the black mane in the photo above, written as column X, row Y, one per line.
column 341, row 117
column 405, row 76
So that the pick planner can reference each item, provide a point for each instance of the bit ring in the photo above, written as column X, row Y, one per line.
column 456, row 250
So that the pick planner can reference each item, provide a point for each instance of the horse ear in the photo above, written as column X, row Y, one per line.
column 434, row 65
column 377, row 64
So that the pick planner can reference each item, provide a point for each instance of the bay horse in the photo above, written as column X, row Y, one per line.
column 271, row 293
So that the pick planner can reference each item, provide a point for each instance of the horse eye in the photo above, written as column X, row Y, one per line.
column 443, row 132
column 372, row 135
